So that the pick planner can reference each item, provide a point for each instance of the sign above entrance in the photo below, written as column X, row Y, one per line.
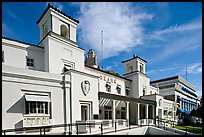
column 85, row 86
column 112, row 80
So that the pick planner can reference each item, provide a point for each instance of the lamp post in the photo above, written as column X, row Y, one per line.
column 65, row 100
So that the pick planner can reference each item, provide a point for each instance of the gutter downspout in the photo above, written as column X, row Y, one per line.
column 71, row 100
column 65, row 110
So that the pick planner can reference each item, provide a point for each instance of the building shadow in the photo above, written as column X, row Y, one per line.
column 17, row 107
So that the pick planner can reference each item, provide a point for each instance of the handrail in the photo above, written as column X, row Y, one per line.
column 86, row 123
column 102, row 125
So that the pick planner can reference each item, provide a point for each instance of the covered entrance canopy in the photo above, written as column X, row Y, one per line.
column 125, row 98
column 115, row 107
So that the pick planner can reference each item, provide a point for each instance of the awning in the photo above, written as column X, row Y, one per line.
column 180, row 109
column 37, row 98
column 187, row 112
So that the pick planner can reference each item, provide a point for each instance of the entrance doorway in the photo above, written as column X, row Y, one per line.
column 84, row 113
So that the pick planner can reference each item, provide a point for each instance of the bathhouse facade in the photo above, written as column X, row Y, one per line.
column 51, row 83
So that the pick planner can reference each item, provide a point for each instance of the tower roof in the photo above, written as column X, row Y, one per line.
column 134, row 58
column 59, row 11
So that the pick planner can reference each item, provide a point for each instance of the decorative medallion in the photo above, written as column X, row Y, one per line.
column 85, row 86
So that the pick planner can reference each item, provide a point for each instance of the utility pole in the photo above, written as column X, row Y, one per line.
column 186, row 72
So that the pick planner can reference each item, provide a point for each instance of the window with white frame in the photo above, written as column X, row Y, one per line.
column 35, row 107
column 30, row 62
column 35, row 104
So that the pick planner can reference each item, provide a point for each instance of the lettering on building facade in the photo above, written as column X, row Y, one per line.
column 107, row 79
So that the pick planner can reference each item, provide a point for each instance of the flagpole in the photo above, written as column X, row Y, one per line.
column 102, row 46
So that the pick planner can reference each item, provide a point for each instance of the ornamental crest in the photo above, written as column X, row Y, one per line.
column 85, row 86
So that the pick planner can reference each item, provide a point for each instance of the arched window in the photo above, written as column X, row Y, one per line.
column 141, row 68
column 64, row 32
column 45, row 29
column 130, row 68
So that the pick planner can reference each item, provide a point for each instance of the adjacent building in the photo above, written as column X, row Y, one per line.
column 181, row 92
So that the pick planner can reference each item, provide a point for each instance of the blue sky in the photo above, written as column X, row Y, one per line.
column 167, row 35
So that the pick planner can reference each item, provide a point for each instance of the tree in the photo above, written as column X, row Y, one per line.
column 193, row 113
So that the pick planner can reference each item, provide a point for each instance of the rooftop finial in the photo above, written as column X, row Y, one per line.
column 134, row 55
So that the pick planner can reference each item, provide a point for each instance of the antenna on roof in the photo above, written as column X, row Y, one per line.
column 186, row 72
column 102, row 46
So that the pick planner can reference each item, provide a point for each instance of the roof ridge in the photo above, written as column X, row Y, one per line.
column 19, row 41
column 56, row 9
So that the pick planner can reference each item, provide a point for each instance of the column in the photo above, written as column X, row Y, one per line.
column 113, row 112
column 188, row 106
column 153, row 113
column 183, row 105
column 147, row 113
column 127, row 112
column 138, row 113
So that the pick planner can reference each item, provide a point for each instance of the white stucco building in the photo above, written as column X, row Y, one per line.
column 49, row 83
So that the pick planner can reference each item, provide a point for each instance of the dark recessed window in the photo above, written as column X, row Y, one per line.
column 2, row 56
column 118, row 89
column 36, row 107
column 108, row 87
column 29, row 62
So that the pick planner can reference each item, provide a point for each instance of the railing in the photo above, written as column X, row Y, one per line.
column 165, row 125
column 96, row 127
column 80, row 127
column 145, row 122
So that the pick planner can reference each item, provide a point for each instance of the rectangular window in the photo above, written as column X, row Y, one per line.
column 29, row 62
column 165, row 112
column 36, row 107
column 2, row 56
column 127, row 89
column 37, row 104
column 108, row 87
column 118, row 89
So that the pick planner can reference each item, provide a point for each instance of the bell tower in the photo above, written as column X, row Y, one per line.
column 134, row 69
column 58, row 22
column 135, row 64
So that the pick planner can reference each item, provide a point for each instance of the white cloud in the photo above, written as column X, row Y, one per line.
column 194, row 68
column 6, row 30
column 108, row 68
column 180, row 28
column 12, row 15
column 178, row 39
column 160, row 70
column 122, row 27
